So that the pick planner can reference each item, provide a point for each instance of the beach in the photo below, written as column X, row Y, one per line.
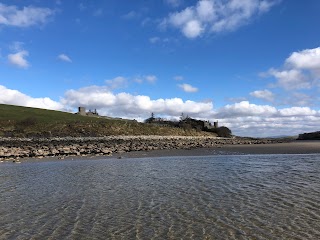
column 148, row 146
column 293, row 147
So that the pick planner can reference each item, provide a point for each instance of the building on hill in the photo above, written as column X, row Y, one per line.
column 198, row 124
column 82, row 112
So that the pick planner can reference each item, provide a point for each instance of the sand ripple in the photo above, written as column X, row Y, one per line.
column 210, row 197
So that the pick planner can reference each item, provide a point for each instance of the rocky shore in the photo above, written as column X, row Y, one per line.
column 16, row 148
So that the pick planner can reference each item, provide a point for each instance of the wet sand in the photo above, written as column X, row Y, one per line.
column 295, row 147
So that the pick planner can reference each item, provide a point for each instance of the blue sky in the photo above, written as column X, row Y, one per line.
column 254, row 65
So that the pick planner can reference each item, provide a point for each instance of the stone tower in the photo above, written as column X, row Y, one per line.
column 82, row 111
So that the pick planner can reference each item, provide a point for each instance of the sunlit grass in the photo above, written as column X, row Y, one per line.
column 16, row 121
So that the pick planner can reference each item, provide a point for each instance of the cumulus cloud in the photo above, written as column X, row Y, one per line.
column 132, row 106
column 14, row 97
column 151, row 78
column 305, row 59
column 245, row 108
column 271, row 126
column 243, row 118
column 188, row 88
column 192, row 29
column 291, row 79
column 11, row 15
column 297, row 111
column 19, row 59
column 263, row 94
column 215, row 16
column 301, row 70
column 65, row 58
column 246, row 119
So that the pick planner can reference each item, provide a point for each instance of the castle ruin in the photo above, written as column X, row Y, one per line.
column 82, row 112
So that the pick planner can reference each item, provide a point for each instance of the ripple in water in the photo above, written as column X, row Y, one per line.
column 212, row 197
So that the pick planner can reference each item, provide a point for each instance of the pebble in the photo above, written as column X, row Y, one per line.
column 14, row 148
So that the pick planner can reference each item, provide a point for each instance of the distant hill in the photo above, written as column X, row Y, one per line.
column 283, row 136
column 309, row 136
column 16, row 121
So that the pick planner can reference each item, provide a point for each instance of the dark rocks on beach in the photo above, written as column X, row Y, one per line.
column 12, row 148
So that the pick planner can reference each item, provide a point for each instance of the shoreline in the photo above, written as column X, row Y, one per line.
column 294, row 147
column 146, row 146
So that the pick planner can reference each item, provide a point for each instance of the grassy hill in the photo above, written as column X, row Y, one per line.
column 16, row 121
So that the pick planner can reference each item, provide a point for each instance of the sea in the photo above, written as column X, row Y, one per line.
column 194, row 197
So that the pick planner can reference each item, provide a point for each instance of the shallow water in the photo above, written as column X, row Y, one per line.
column 211, row 197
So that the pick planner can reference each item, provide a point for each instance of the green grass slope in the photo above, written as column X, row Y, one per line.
column 16, row 121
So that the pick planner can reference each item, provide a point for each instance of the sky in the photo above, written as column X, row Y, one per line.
column 253, row 65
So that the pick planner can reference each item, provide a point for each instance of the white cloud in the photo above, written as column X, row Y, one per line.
column 151, row 78
column 146, row 78
column 188, row 88
column 179, row 19
column 206, row 11
column 243, row 118
column 216, row 16
column 14, row 97
column 297, row 111
column 263, row 94
column 302, row 99
column 117, row 82
column 291, row 79
column 132, row 106
column 65, row 58
column 301, row 70
column 271, row 126
column 245, row 108
column 25, row 17
column 248, row 119
column 19, row 59
column 306, row 59
column 192, row 29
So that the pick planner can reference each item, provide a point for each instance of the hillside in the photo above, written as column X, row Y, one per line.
column 309, row 136
column 16, row 121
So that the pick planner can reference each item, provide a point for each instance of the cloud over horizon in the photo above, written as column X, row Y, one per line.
column 301, row 70
column 15, row 97
column 133, row 106
column 243, row 118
